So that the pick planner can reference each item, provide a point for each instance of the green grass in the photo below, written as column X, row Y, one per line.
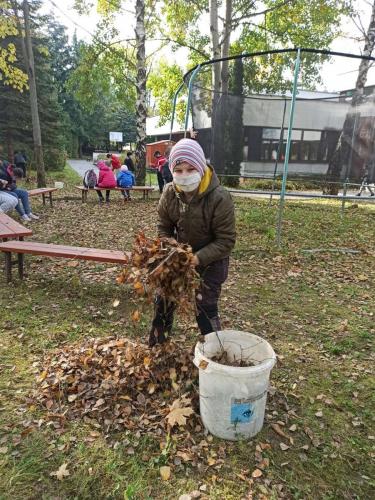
column 315, row 309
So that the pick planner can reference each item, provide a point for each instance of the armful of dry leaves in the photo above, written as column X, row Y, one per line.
column 164, row 267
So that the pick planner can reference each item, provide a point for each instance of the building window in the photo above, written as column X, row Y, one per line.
column 304, row 146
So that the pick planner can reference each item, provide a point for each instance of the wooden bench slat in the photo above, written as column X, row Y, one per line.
column 9, row 228
column 35, row 192
column 51, row 250
column 117, row 188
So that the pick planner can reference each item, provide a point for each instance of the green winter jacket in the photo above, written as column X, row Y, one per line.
column 207, row 222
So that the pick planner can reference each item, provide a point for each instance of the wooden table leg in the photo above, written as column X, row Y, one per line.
column 44, row 198
column 50, row 199
column 20, row 265
column 8, row 266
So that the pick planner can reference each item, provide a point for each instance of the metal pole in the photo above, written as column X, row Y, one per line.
column 345, row 188
column 192, row 78
column 174, row 108
column 287, row 151
column 279, row 150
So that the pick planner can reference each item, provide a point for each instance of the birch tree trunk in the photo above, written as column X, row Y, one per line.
column 214, row 29
column 343, row 152
column 141, row 103
column 225, row 46
column 29, row 61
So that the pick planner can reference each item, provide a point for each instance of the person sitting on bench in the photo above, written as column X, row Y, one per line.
column 7, row 201
column 106, row 179
column 10, row 175
column 125, row 179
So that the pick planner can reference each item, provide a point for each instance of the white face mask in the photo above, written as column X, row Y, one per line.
column 188, row 182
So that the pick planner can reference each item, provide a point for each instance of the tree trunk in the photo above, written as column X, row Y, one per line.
column 344, row 148
column 37, row 136
column 216, row 151
column 141, row 106
column 214, row 29
column 225, row 46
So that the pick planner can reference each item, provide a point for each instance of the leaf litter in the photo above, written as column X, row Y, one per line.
column 116, row 384
column 164, row 267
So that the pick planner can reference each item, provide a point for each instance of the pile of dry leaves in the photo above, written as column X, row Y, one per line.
column 116, row 384
column 162, row 266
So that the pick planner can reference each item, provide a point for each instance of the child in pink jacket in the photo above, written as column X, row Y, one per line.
column 107, row 179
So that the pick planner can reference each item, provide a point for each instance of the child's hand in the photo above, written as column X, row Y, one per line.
column 195, row 260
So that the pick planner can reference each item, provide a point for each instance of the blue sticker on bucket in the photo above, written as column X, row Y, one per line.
column 241, row 411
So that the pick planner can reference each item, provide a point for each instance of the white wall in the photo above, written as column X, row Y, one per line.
column 314, row 115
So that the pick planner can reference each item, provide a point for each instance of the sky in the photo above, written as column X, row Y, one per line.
column 338, row 74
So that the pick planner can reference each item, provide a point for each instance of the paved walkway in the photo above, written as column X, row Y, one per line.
column 80, row 166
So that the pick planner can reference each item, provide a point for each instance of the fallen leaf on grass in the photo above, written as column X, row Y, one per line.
column 136, row 315
column 284, row 446
column 343, row 326
column 293, row 428
column 315, row 441
column 116, row 303
column 165, row 472
column 362, row 277
column 3, row 450
column 256, row 473
column 319, row 414
column 178, row 414
column 61, row 472
column 279, row 431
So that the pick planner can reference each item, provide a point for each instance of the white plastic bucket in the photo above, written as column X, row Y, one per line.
column 59, row 185
column 233, row 399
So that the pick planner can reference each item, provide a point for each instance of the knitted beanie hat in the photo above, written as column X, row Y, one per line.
column 189, row 151
column 124, row 168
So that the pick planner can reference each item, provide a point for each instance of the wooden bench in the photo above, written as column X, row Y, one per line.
column 145, row 189
column 44, row 192
column 51, row 250
column 11, row 229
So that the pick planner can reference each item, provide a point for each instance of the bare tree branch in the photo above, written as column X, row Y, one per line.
column 182, row 44
column 236, row 21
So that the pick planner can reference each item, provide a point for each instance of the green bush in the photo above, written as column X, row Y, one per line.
column 55, row 159
column 292, row 185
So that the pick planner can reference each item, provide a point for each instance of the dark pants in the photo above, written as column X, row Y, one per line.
column 207, row 297
column 126, row 194
column 160, row 181
column 107, row 193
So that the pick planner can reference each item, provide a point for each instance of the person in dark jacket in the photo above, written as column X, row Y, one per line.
column 129, row 162
column 20, row 162
column 159, row 162
column 165, row 170
column 10, row 175
column 365, row 183
column 195, row 209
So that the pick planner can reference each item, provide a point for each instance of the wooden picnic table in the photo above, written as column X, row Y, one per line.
column 11, row 229
column 44, row 192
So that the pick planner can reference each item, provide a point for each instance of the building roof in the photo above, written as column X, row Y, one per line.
column 153, row 127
